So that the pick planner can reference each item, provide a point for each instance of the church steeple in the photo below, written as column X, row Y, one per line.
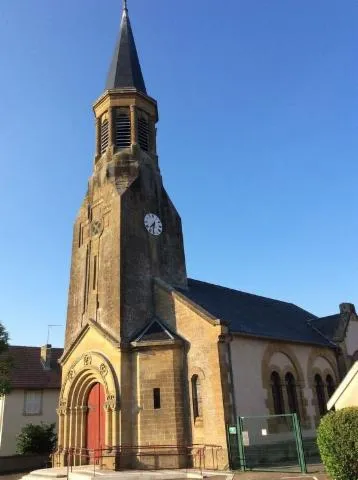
column 125, row 71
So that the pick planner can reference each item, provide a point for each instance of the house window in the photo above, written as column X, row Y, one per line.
column 156, row 398
column 292, row 393
column 104, row 133
column 330, row 385
column 277, row 396
column 143, row 133
column 321, row 400
column 196, row 396
column 33, row 402
column 122, row 130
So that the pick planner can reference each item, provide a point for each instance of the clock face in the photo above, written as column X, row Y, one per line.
column 153, row 224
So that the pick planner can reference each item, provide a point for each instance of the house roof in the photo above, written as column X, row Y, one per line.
column 327, row 325
column 254, row 315
column 125, row 70
column 27, row 369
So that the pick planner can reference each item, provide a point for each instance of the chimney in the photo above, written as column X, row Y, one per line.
column 347, row 308
column 46, row 354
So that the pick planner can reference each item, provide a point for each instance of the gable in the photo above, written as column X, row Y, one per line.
column 154, row 331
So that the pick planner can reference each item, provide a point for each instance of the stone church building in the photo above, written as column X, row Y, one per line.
column 153, row 358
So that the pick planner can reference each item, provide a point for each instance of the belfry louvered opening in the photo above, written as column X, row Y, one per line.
column 143, row 133
column 104, row 133
column 122, row 129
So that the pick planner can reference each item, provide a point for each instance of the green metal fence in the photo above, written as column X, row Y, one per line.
column 267, row 442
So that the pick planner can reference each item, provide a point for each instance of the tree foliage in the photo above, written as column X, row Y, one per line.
column 36, row 439
column 338, row 443
column 5, row 361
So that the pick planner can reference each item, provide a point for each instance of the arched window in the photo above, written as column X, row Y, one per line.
column 321, row 399
column 330, row 385
column 122, row 129
column 196, row 395
column 143, row 133
column 277, row 396
column 292, row 393
column 104, row 133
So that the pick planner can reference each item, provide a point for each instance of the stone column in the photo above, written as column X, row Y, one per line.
column 82, row 435
column 111, row 129
column 133, row 115
column 66, row 421
column 72, row 427
column 115, row 427
column 153, row 136
column 108, row 430
column 98, row 137
column 60, row 428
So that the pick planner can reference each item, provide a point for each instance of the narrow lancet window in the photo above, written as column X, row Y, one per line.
column 156, row 398
column 122, row 130
column 94, row 286
column 143, row 133
column 321, row 400
column 104, row 133
column 277, row 396
column 196, row 396
column 330, row 385
column 292, row 393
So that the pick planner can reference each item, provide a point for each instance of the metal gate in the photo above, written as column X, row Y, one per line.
column 269, row 442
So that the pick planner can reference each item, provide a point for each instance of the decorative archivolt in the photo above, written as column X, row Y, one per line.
column 85, row 371
column 268, row 367
column 321, row 362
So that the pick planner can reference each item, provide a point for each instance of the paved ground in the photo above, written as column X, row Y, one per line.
column 314, row 475
column 279, row 476
column 15, row 476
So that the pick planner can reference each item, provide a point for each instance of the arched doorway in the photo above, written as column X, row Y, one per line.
column 95, row 422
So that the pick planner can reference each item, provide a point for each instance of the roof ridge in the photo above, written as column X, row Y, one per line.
column 326, row 316
column 251, row 294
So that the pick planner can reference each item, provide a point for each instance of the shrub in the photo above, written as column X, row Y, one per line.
column 38, row 439
column 338, row 443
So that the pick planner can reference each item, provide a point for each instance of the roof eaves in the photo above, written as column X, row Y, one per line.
column 277, row 339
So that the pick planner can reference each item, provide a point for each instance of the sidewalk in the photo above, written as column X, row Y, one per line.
column 279, row 476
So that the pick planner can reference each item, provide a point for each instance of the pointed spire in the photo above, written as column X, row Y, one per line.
column 125, row 71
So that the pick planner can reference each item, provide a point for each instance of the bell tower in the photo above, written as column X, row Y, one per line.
column 127, row 231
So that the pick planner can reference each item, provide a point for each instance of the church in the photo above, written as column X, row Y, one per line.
column 152, row 358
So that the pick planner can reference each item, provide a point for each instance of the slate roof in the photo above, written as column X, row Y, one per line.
column 125, row 70
column 328, row 325
column 254, row 315
column 27, row 371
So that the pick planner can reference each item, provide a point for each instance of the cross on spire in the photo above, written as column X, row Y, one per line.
column 125, row 6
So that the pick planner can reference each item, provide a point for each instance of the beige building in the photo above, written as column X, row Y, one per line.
column 346, row 394
column 155, row 361
column 35, row 386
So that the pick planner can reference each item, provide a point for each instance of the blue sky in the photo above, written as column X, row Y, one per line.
column 258, row 143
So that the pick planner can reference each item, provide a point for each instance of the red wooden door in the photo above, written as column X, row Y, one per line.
column 95, row 421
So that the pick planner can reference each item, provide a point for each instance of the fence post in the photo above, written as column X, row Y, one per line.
column 240, row 444
column 299, row 443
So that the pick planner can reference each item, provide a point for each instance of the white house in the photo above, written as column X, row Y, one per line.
column 35, row 387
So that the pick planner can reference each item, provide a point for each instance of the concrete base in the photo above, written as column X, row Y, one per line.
column 89, row 472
